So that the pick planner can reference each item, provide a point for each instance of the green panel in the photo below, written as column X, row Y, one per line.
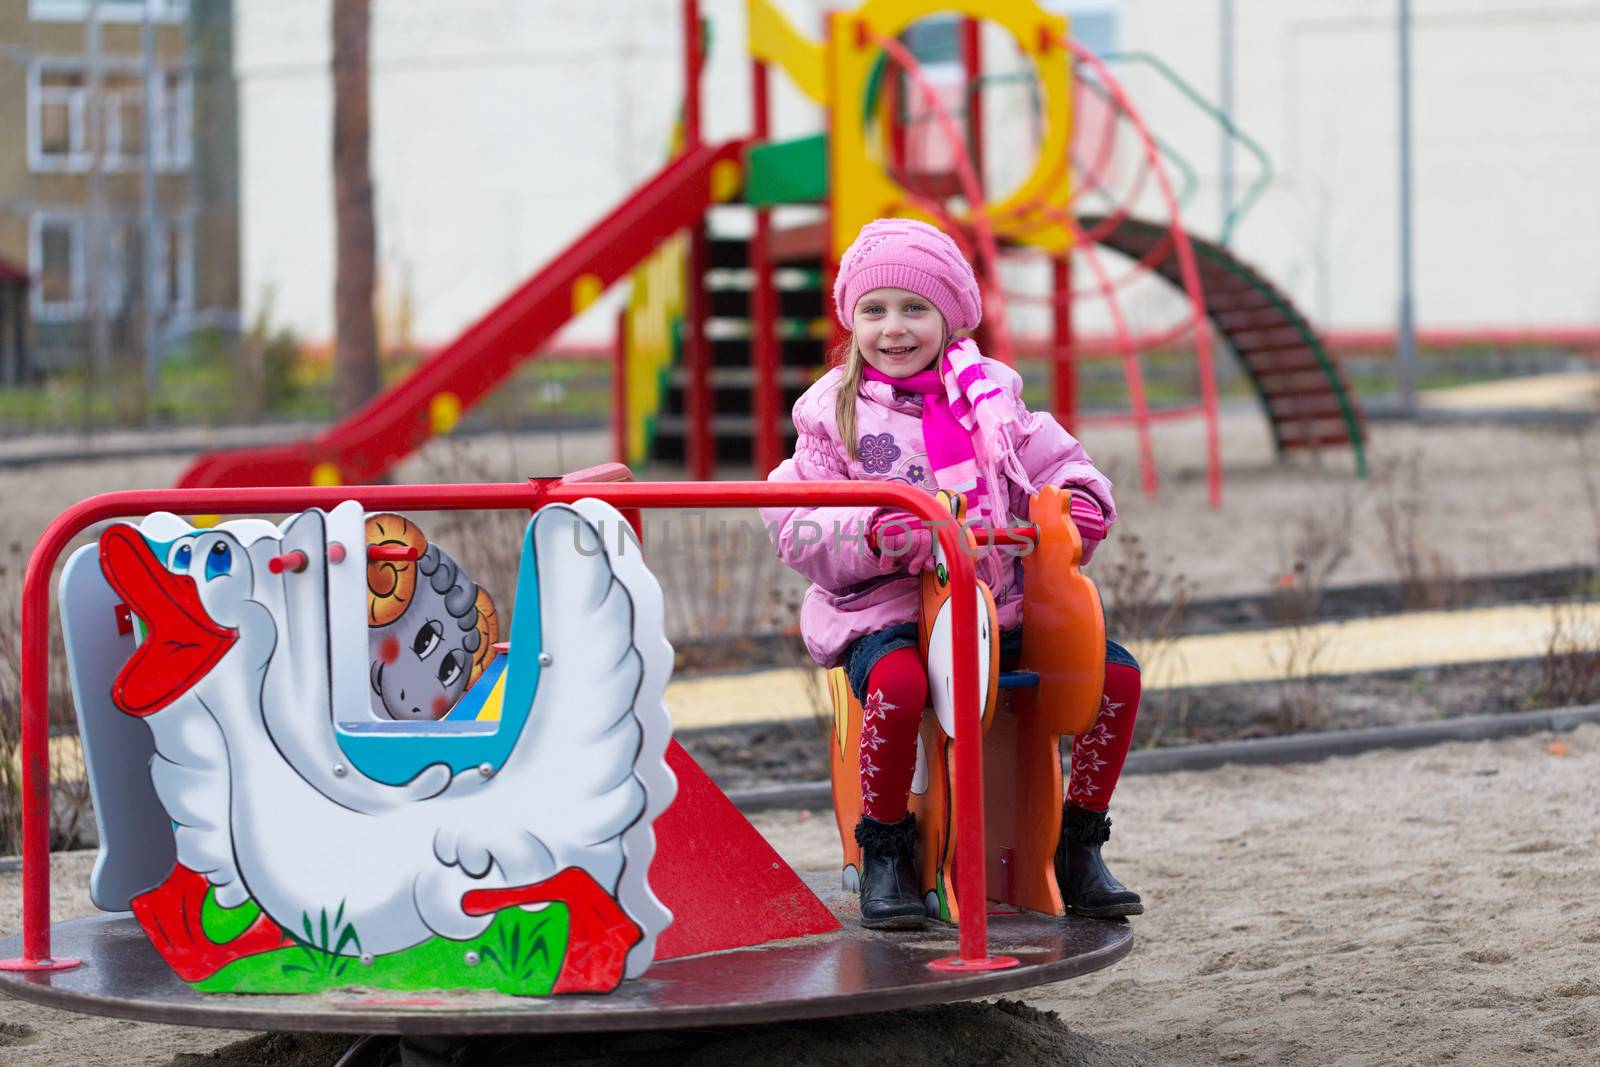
column 663, row 382
column 787, row 172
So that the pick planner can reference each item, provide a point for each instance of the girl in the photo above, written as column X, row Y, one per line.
column 915, row 402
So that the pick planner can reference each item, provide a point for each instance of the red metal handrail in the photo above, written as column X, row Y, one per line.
column 594, row 483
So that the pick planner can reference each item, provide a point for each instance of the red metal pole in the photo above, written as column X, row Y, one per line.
column 619, row 390
column 698, row 440
column 1061, row 354
column 698, row 445
column 763, row 302
column 837, row 334
column 530, row 495
column 894, row 107
column 972, row 60
column 691, row 75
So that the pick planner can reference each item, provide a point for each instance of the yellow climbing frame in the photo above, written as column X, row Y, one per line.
column 862, row 190
column 774, row 39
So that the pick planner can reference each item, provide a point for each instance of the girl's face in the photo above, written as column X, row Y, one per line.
column 899, row 333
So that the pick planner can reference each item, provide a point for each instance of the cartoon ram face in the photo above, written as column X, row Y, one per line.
column 432, row 629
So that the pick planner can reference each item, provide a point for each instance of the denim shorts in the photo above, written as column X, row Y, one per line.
column 863, row 654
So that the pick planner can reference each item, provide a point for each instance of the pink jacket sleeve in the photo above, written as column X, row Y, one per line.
column 826, row 544
column 1049, row 455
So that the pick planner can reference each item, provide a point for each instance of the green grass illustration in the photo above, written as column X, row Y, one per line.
column 324, row 946
column 519, row 953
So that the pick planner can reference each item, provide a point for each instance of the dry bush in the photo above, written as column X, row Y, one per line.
column 10, row 738
column 727, row 589
column 1297, row 662
column 717, row 572
column 1427, row 579
column 1569, row 671
column 1144, row 603
column 71, row 814
column 1588, row 459
column 1320, row 543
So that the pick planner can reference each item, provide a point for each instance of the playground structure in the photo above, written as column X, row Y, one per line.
column 721, row 333
column 722, row 884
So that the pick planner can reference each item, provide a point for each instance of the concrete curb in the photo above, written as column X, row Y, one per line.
column 1270, row 751
column 1313, row 747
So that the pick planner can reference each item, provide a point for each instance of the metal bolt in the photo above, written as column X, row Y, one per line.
column 339, row 770
column 545, row 659
column 471, row 959
column 486, row 769
column 366, row 959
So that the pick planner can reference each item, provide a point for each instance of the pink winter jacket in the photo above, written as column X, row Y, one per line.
column 853, row 590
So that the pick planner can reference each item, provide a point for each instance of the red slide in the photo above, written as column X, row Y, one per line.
column 364, row 445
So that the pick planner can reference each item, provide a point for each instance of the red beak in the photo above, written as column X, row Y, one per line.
column 183, row 643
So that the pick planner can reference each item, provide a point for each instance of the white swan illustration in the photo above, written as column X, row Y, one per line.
column 256, row 652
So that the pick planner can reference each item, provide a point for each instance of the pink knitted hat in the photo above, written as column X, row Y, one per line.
column 910, row 255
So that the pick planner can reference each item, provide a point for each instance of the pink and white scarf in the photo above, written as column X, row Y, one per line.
column 964, row 424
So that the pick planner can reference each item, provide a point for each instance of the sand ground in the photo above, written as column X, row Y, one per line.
column 1418, row 907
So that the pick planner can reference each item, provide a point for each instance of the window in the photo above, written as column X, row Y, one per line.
column 175, row 283
column 110, row 10
column 175, row 119
column 58, row 255
column 122, row 98
column 63, row 133
column 1093, row 22
column 55, row 254
column 935, row 40
column 57, row 113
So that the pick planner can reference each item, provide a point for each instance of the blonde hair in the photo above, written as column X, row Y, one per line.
column 844, row 409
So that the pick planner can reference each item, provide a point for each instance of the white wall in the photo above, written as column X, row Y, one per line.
column 504, row 128
column 501, row 129
column 1506, row 136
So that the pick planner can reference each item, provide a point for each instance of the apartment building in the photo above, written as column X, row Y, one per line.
column 73, row 93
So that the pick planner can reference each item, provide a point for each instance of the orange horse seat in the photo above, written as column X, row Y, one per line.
column 1055, row 691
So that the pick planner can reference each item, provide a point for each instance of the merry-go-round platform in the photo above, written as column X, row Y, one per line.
column 850, row 971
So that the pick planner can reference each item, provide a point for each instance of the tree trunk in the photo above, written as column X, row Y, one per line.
column 355, row 349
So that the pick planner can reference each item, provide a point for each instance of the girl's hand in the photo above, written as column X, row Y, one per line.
column 1090, row 521
column 900, row 538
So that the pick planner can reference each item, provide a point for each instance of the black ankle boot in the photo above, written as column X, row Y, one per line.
column 1087, row 887
column 889, row 896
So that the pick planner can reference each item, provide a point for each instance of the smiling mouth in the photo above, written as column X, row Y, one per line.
column 904, row 350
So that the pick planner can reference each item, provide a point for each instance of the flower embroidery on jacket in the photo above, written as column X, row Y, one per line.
column 878, row 452
column 915, row 473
